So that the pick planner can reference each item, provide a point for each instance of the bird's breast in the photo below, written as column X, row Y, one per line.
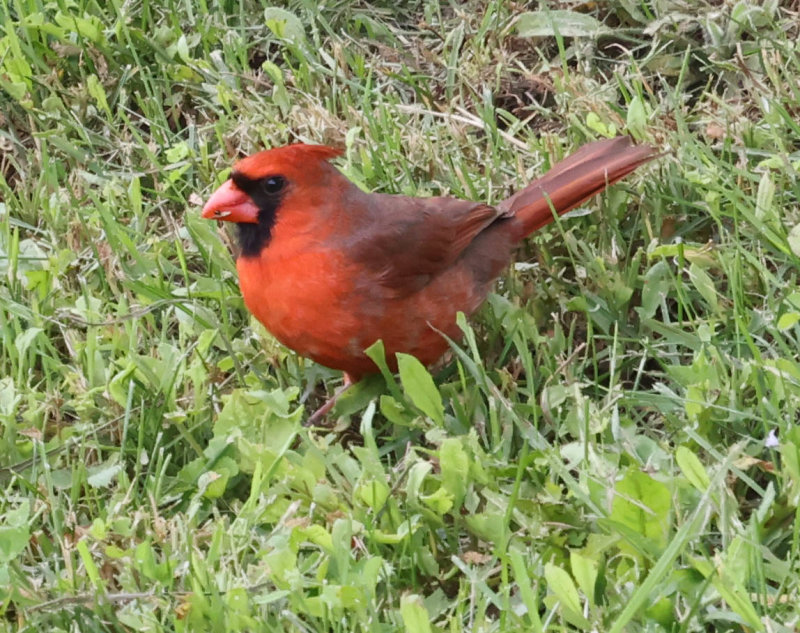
column 324, row 306
column 301, row 298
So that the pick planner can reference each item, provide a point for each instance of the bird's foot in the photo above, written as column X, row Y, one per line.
column 325, row 409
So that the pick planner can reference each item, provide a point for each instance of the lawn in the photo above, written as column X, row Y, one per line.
column 612, row 446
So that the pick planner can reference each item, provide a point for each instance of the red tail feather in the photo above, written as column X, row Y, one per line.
column 575, row 179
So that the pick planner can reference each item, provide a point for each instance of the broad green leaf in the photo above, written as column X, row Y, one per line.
column 559, row 22
column 642, row 504
column 8, row 396
column 695, row 403
column 145, row 559
column 764, row 198
column 17, row 89
column 98, row 529
column 373, row 493
column 420, row 388
column 177, row 153
column 119, row 386
column 98, row 93
column 415, row 615
column 705, row 286
column 790, row 456
column 692, row 468
column 490, row 526
column 212, row 483
column 656, row 285
column 14, row 532
column 787, row 320
column 282, row 563
column 560, row 583
column 596, row 124
column 794, row 240
column 637, row 117
column 103, row 474
column 26, row 339
column 415, row 480
column 135, row 195
column 454, row 462
column 584, row 569
column 441, row 501
column 377, row 353
column 393, row 411
column 663, row 612
column 284, row 24
column 319, row 535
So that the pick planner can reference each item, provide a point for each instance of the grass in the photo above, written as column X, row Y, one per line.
column 613, row 446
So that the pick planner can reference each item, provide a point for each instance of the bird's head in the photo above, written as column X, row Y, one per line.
column 260, row 184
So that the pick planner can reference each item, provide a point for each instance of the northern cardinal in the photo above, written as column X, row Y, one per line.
column 330, row 269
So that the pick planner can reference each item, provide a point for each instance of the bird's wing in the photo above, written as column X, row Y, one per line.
column 408, row 241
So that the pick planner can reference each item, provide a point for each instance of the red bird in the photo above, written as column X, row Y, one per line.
column 330, row 269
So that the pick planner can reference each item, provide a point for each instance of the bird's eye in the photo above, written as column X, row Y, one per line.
column 274, row 184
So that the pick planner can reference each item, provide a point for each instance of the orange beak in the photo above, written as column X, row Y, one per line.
column 231, row 204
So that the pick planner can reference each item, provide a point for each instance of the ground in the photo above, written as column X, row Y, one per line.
column 613, row 445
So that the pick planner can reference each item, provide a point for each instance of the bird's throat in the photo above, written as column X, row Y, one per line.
column 255, row 236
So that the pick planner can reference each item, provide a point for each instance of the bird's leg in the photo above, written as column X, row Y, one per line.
column 320, row 413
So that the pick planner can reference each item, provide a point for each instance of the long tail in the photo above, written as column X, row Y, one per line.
column 574, row 180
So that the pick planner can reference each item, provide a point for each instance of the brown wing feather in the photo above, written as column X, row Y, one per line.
column 411, row 240
column 408, row 241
